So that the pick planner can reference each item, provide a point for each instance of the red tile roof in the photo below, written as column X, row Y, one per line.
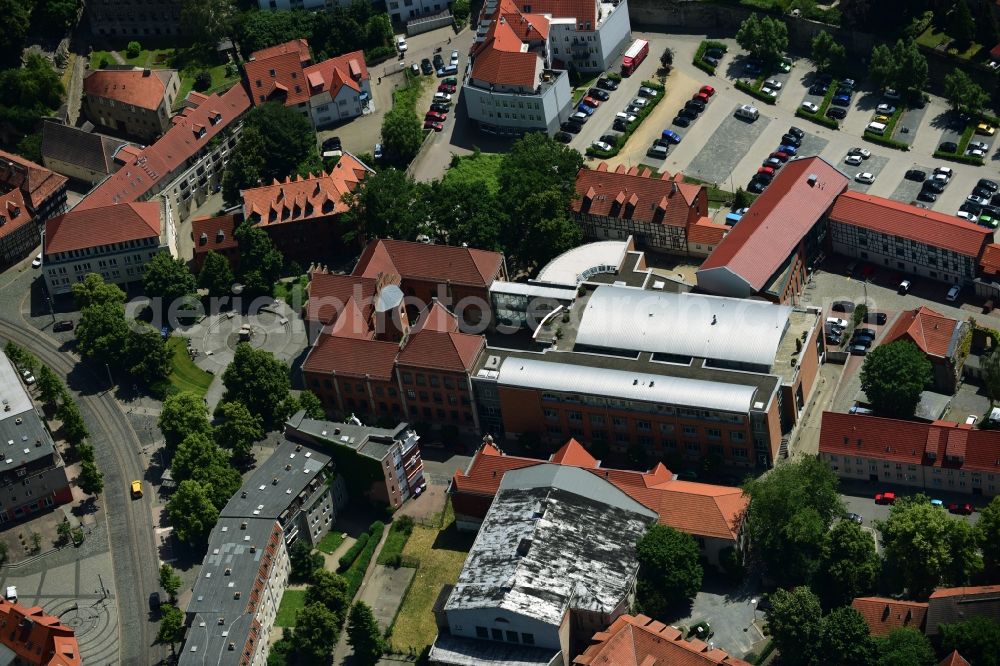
column 35, row 181
column 634, row 195
column 192, row 130
column 883, row 615
column 990, row 261
column 970, row 590
column 695, row 508
column 210, row 227
column 351, row 356
column 920, row 224
column 583, row 11
column 328, row 293
column 911, row 442
column 280, row 74
column 706, row 232
column 431, row 263
column 954, row 659
column 142, row 88
column 330, row 75
column 641, row 641
column 778, row 220
column 298, row 46
column 79, row 229
column 957, row 604
column 436, row 318
column 13, row 213
column 428, row 348
column 930, row 331
column 502, row 58
column 43, row 640
column 297, row 199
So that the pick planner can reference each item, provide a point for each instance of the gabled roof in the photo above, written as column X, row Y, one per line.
column 934, row 333
column 504, row 58
column 143, row 88
column 954, row 659
column 436, row 318
column 297, row 46
column 635, row 195
column 88, row 150
column 35, row 181
column 919, row 224
column 277, row 74
column 432, row 263
column 13, row 213
column 777, row 221
column 706, row 232
column 192, row 130
column 957, row 604
column 37, row 638
column 91, row 227
column 351, row 356
column 990, row 261
column 329, row 293
column 883, row 614
column 331, row 75
column 219, row 233
column 297, row 199
column 641, row 641
column 452, row 351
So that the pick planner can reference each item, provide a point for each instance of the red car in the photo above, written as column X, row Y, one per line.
column 436, row 115
column 701, row 97
column 766, row 169
column 446, row 88
column 780, row 155
column 708, row 90
column 885, row 498
column 432, row 125
column 591, row 102
column 961, row 509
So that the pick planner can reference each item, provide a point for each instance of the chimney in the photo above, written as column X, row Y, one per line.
column 812, row 179
column 146, row 72
column 220, row 236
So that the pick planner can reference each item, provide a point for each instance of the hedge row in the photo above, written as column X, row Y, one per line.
column 962, row 159
column 347, row 559
column 818, row 119
column 888, row 143
column 963, row 143
column 705, row 45
column 757, row 94
column 356, row 573
column 633, row 126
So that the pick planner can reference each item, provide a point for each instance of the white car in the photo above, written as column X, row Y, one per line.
column 972, row 198
column 889, row 93
column 770, row 92
column 640, row 102
column 947, row 172
column 442, row 97
column 975, row 152
column 627, row 117
column 601, row 145
column 853, row 159
column 836, row 321
column 772, row 83
column 953, row 292
column 645, row 91
column 454, row 58
column 401, row 45
column 37, row 261
column 580, row 117
column 865, row 177
column 965, row 215
column 979, row 145
column 887, row 109
column 863, row 152
column 29, row 378
column 810, row 107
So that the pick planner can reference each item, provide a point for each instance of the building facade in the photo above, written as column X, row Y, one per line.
column 132, row 18
column 18, row 232
column 30, row 194
column 136, row 102
column 215, row 234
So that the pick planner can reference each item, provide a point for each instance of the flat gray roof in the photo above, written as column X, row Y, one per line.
column 374, row 443
column 23, row 437
column 554, row 538
column 559, row 293
column 685, row 324
column 277, row 482
column 461, row 651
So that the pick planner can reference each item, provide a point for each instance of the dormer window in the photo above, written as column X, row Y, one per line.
column 271, row 72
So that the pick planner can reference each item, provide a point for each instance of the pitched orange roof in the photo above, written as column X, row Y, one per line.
column 634, row 195
column 883, row 614
column 442, row 351
column 436, row 318
column 37, row 638
column 297, row 199
column 956, row 604
column 573, row 453
column 919, row 224
column 502, row 58
column 297, row 46
column 329, row 293
column 706, row 232
column 990, row 261
column 932, row 332
column 79, row 229
column 330, row 75
column 211, row 228
column 280, row 74
column 35, row 181
column 641, row 641
column 965, row 591
column 432, row 263
column 13, row 213
column 351, row 356
column 192, row 130
column 138, row 87
column 954, row 659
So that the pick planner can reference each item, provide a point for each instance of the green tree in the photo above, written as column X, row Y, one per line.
column 183, row 414
column 54, row 18
column 16, row 20
column 208, row 21
column 991, row 376
column 963, row 93
column 50, row 387
column 363, row 635
column 766, row 38
column 216, row 275
column 926, row 547
column 30, row 92
column 791, row 511
column 961, row 26
column 90, row 481
column 551, row 230
column 192, row 513
column 988, row 535
column 912, row 74
column 795, row 623
column 844, row 639
column 669, row 569
column 103, row 333
column 239, row 429
column 260, row 260
column 468, row 213
column 977, row 639
column 73, row 427
column 330, row 590
column 882, row 67
column 258, row 380
column 133, row 49
column 312, row 404
column 93, row 290
column 149, row 360
column 460, row 10
column 385, row 204
column 893, row 377
column 849, row 565
column 30, row 147
column 827, row 53
column 198, row 458
column 21, row 357
column 304, row 561
column 65, row 531
column 904, row 647
column 315, row 634
column 169, row 581
column 168, row 279
column 246, row 164
column 258, row 30
column 171, row 629
column 402, row 135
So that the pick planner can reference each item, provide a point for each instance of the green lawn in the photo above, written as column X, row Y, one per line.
column 476, row 168
column 219, row 82
column 185, row 375
column 395, row 541
column 96, row 57
column 441, row 554
column 293, row 292
column 291, row 602
column 933, row 39
column 330, row 542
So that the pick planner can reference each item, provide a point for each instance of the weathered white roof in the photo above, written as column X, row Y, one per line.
column 574, row 266
column 647, row 387
column 15, row 397
column 711, row 327
column 561, row 293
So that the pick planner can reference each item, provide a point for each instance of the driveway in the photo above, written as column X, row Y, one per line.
column 732, row 614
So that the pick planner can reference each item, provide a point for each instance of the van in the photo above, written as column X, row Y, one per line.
column 876, row 128
column 657, row 151
column 747, row 112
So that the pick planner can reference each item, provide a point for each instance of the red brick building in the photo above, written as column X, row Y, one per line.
column 30, row 194
column 939, row 338
column 215, row 234
column 35, row 638
column 884, row 615
column 946, row 605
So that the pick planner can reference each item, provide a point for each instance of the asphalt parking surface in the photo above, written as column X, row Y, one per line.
column 909, row 120
column 727, row 146
column 811, row 145
column 907, row 190
column 873, row 164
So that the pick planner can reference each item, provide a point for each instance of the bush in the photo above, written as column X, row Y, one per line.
column 355, row 574
column 379, row 54
column 376, row 529
column 347, row 559
column 133, row 49
column 883, row 141
column 754, row 92
column 818, row 119
column 962, row 159
column 203, row 80
column 704, row 46
column 859, row 314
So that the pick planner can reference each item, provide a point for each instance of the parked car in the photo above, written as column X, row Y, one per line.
column 885, row 498
column 671, row 136
column 442, row 97
column 438, row 106
column 859, row 350
column 688, row 113
column 765, row 170
column 708, row 91
column 977, row 199
column 63, row 325
column 853, row 160
column 451, row 80
column 865, row 333
column 446, row 88
column 571, row 127
column 773, row 162
column 841, row 100
column 773, row 83
column 619, row 125
column 796, row 132
column 591, row 102
column 810, row 107
column 887, row 109
column 979, row 145
column 916, row 174
column 756, row 187
column 982, row 192
column 791, row 140
column 962, row 509
column 646, row 91
column 426, row 67
column 714, row 62
column 971, row 420
column 563, row 137
column 937, row 502
column 580, row 117
column 582, row 107
column 607, row 84
column 948, row 147
column 764, row 177
column 934, row 185
column 904, row 287
column 863, row 152
column 681, row 121
column 818, row 89
column 625, row 117
column 877, row 318
column 836, row 113
column 601, row 145
column 700, row 96
column 435, row 115
column 37, row 261
column 985, row 128
column 694, row 105
column 433, row 125
column 927, row 195
column 947, row 172
column 377, row 152
column 836, row 321
column 401, row 44
column 953, row 292
column 597, row 93
column 715, row 53
column 415, row 69
column 855, row 518
column 990, row 185
column 438, row 61
column 29, row 378
column 865, row 177
column 889, row 93
column 769, row 91
column 788, row 150
column 975, row 152
column 454, row 57
column 778, row 155
column 843, row 306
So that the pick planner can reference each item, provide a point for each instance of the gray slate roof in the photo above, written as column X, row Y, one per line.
column 272, row 487
column 88, row 150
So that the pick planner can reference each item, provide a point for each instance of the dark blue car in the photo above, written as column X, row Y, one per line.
column 841, row 100
column 788, row 150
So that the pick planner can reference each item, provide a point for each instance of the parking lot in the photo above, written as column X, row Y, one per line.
column 727, row 146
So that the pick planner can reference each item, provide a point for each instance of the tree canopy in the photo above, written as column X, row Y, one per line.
column 183, row 414
column 893, row 376
column 765, row 37
column 239, row 429
column 795, row 622
column 216, row 275
column 169, row 580
column 315, row 634
column 845, row 639
column 304, row 562
column 827, row 53
column 961, row 26
column 168, row 279
column 791, row 511
column 191, row 512
column 91, row 481
column 208, row 21
column 963, row 93
column 31, row 92
column 988, row 535
column 93, row 290
column 260, row 260
column 905, row 646
column 17, row 19
column 259, row 381
column 669, row 569
column 849, row 565
column 902, row 67
column 171, row 625
column 330, row 590
column 363, row 635
column 977, row 639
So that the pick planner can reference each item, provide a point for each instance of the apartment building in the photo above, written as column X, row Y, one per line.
column 551, row 532
column 113, row 241
column 32, row 473
column 183, row 166
column 939, row 338
column 135, row 102
column 393, row 470
column 29, row 195
column 36, row 638
column 85, row 157
column 661, row 213
column 303, row 215
column 928, row 456
column 134, row 18
column 914, row 241
column 325, row 93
